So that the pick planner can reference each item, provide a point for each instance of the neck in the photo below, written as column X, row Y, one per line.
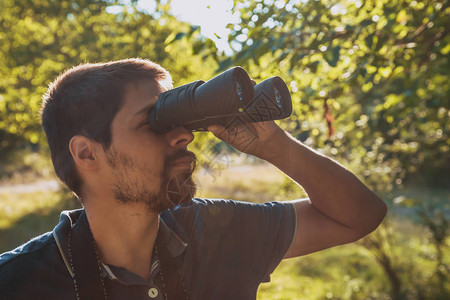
column 124, row 234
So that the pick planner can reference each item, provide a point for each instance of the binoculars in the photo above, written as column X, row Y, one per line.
column 229, row 99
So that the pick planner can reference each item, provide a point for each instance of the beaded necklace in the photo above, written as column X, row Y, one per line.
column 180, row 279
column 176, row 292
column 73, row 269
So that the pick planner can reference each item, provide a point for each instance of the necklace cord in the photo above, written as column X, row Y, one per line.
column 175, row 287
column 87, row 268
column 84, row 262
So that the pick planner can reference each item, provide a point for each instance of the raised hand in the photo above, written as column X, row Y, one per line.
column 257, row 138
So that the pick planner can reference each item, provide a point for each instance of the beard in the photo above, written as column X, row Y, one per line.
column 170, row 192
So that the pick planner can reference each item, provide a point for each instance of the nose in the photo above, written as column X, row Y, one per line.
column 179, row 137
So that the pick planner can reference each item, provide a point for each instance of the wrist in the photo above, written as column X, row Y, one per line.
column 276, row 147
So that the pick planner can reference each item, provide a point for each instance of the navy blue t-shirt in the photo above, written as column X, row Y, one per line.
column 224, row 248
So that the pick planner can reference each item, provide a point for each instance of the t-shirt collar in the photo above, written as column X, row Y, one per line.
column 172, row 235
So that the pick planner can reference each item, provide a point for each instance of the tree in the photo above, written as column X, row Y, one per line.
column 370, row 86
column 369, row 79
column 39, row 39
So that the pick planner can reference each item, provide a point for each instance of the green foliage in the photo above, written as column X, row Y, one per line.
column 39, row 39
column 380, row 66
column 353, row 272
column 26, row 215
column 342, row 273
column 370, row 86
column 432, row 209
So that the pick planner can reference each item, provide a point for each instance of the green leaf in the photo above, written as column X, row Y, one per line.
column 295, row 59
column 332, row 57
column 369, row 40
column 193, row 29
column 172, row 38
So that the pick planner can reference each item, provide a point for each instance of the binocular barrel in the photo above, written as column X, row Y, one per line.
column 223, row 100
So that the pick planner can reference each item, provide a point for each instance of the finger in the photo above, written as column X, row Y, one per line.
column 263, row 125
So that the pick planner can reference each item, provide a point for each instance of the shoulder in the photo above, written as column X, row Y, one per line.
column 240, row 240
column 205, row 203
column 215, row 206
column 25, row 251
column 213, row 214
column 30, row 267
column 227, row 207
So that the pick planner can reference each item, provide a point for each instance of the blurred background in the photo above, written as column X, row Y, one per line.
column 370, row 87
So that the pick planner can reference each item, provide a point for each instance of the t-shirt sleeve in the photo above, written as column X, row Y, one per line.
column 243, row 237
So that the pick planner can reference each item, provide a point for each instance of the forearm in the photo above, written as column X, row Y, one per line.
column 333, row 190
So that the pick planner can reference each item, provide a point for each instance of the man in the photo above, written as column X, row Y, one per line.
column 140, row 234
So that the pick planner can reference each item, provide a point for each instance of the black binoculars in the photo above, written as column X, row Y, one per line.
column 228, row 99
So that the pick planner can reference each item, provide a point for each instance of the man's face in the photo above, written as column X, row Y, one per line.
column 144, row 167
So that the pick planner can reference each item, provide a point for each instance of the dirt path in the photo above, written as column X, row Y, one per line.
column 39, row 186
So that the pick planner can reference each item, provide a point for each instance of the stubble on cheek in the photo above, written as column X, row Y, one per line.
column 136, row 183
column 133, row 182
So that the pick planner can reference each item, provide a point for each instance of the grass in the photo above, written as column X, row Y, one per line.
column 26, row 215
column 344, row 272
column 24, row 167
column 258, row 182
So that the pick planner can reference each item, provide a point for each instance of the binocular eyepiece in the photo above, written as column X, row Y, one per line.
column 227, row 98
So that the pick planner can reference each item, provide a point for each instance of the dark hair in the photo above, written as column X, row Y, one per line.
column 83, row 101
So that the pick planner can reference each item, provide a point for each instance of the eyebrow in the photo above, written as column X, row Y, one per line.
column 145, row 109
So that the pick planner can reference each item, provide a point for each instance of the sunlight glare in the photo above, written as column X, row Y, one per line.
column 212, row 17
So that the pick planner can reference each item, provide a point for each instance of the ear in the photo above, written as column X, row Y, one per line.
column 83, row 151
